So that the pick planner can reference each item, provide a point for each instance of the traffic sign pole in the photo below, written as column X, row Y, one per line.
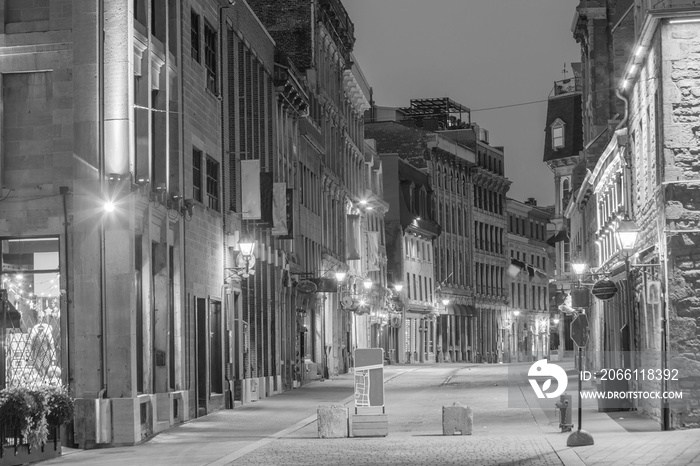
column 580, row 367
column 579, row 333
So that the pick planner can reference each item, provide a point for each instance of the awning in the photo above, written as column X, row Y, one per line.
column 560, row 236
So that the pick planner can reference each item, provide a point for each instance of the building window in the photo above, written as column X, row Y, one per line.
column 210, row 57
column 194, row 37
column 197, row 175
column 557, row 134
column 212, row 183
column 31, row 284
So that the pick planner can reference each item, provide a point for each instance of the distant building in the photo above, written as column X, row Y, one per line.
column 467, row 176
column 411, row 231
column 530, row 322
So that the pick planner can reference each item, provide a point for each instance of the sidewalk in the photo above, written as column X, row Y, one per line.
column 620, row 438
column 221, row 437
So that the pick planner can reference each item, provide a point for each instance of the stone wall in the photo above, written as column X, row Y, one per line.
column 681, row 117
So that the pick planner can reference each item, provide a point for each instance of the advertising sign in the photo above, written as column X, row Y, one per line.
column 369, row 377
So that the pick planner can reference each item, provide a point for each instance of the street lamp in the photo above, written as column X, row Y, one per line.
column 579, row 266
column 246, row 245
column 626, row 233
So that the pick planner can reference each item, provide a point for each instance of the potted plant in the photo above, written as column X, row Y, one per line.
column 15, row 410
column 31, row 413
column 60, row 406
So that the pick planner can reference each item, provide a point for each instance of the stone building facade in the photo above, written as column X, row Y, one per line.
column 640, row 167
column 524, row 331
column 467, row 177
column 411, row 231
column 318, row 37
column 663, row 109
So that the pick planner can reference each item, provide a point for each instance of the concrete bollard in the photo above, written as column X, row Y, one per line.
column 332, row 421
column 457, row 420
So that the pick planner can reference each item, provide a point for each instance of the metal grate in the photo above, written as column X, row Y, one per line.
column 33, row 355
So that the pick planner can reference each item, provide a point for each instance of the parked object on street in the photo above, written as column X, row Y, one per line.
column 457, row 420
column 332, row 421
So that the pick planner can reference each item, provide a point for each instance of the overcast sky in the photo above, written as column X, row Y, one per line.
column 480, row 53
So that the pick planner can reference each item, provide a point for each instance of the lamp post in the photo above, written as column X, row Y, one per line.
column 626, row 233
column 400, row 331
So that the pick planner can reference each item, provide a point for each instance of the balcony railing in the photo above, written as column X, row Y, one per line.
column 566, row 86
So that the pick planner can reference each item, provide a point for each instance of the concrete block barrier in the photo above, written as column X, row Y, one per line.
column 332, row 421
column 457, row 420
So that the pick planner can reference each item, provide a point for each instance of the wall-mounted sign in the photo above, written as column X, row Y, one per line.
column 604, row 289
column 306, row 286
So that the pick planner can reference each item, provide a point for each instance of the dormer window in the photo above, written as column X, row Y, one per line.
column 557, row 134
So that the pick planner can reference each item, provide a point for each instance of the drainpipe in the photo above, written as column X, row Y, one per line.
column 101, row 174
column 64, row 190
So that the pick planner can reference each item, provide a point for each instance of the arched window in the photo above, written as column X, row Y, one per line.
column 565, row 192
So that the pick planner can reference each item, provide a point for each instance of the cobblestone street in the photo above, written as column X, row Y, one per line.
column 414, row 450
column 282, row 430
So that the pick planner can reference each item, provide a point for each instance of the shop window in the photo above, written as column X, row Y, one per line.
column 31, row 285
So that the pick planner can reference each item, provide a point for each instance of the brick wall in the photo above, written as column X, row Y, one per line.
column 289, row 23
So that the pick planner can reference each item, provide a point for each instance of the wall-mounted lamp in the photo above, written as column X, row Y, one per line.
column 445, row 301
column 367, row 283
column 245, row 260
column 340, row 276
column 141, row 181
column 516, row 313
column 627, row 232
column 578, row 266
column 556, row 321
column 188, row 207
column 175, row 201
column 116, row 188
column 398, row 287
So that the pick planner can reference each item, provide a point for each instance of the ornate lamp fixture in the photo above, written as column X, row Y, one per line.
column 627, row 232
column 245, row 261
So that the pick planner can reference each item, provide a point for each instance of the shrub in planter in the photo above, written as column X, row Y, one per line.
column 60, row 406
column 32, row 412
column 36, row 431
column 16, row 407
